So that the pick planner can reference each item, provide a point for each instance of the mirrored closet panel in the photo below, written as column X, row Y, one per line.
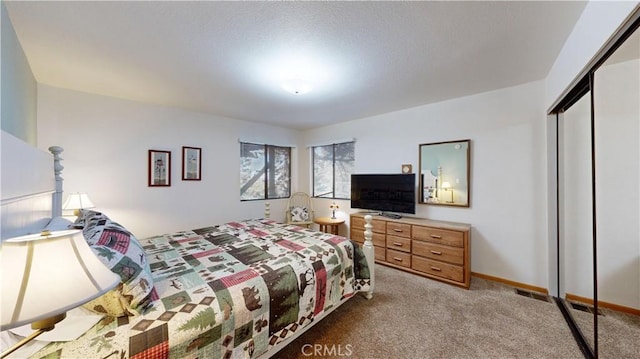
column 616, row 103
column 598, row 178
column 576, row 209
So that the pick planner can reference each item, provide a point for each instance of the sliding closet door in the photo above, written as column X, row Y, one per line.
column 617, row 128
column 575, row 209
column 598, row 177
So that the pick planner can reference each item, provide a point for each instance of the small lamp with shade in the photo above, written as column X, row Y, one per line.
column 446, row 186
column 77, row 201
column 333, row 207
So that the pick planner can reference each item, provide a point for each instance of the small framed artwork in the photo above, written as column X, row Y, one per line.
column 159, row 168
column 191, row 163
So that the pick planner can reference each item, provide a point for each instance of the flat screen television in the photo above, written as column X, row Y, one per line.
column 384, row 192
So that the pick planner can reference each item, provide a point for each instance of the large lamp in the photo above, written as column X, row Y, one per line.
column 45, row 275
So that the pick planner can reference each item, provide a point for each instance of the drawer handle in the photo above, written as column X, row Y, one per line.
column 436, row 269
column 436, row 236
column 436, row 253
column 397, row 259
column 397, row 244
column 397, row 230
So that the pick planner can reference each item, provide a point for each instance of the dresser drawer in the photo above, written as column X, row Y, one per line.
column 357, row 223
column 454, row 255
column 398, row 258
column 377, row 238
column 379, row 249
column 377, row 225
column 437, row 235
column 437, row 268
column 399, row 243
column 399, row 229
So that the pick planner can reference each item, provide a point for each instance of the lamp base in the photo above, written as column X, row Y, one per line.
column 40, row 326
column 48, row 323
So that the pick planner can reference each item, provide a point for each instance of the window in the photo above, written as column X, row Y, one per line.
column 265, row 171
column 332, row 168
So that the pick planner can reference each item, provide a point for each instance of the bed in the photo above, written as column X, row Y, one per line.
column 240, row 289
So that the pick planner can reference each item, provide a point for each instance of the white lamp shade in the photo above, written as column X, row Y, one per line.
column 446, row 185
column 77, row 201
column 43, row 276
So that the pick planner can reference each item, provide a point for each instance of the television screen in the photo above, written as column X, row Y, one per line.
column 384, row 192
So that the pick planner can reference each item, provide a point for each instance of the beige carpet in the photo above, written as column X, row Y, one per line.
column 415, row 317
column 618, row 333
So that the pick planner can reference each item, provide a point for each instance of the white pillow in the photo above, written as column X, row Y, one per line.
column 58, row 224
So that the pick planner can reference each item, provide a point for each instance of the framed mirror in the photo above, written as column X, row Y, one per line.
column 444, row 173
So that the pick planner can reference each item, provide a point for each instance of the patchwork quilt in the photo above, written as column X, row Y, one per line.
column 228, row 291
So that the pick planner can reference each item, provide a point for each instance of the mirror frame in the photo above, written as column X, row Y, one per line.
column 440, row 196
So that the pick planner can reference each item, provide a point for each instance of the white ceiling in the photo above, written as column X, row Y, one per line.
column 229, row 58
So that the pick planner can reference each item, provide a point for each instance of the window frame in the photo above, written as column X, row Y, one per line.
column 269, row 151
column 333, row 169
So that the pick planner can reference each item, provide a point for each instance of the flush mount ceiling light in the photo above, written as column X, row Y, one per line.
column 297, row 86
column 296, row 72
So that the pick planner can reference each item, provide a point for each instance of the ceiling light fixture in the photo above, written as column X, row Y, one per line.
column 297, row 86
column 281, row 69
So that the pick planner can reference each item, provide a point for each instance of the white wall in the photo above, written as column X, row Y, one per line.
column 19, row 89
column 508, row 170
column 106, row 142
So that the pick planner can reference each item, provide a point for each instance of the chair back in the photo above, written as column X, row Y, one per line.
column 299, row 209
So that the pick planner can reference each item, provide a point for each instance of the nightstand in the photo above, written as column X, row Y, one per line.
column 329, row 225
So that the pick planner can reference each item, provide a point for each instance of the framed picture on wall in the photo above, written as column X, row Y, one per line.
column 159, row 168
column 191, row 163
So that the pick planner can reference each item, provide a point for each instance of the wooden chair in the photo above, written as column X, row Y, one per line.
column 299, row 210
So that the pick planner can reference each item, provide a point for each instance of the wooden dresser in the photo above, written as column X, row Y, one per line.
column 434, row 249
